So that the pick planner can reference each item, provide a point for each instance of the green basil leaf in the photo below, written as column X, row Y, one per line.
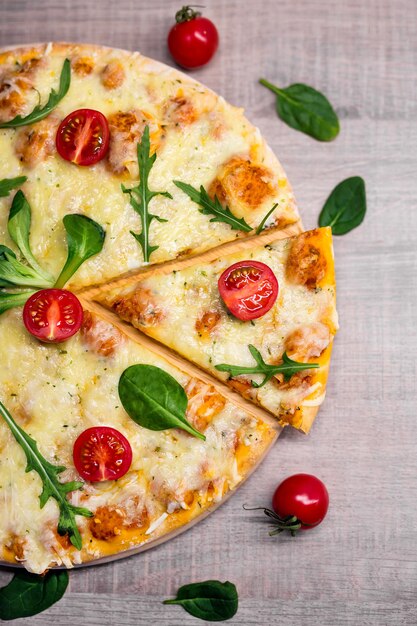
column 345, row 208
column 154, row 399
column 210, row 600
column 55, row 97
column 85, row 238
column 306, row 110
column 29, row 594
column 7, row 184
column 19, row 230
column 11, row 300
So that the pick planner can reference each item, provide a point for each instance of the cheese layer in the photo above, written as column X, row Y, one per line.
column 173, row 308
column 57, row 391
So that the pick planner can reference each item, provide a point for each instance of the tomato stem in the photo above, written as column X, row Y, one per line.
column 187, row 13
column 290, row 522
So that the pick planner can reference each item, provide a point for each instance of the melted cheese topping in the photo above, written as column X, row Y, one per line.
column 57, row 391
column 176, row 302
column 191, row 150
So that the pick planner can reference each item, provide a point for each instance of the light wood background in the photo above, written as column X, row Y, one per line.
column 360, row 567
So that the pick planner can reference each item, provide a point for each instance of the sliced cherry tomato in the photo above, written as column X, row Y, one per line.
column 303, row 496
column 248, row 289
column 193, row 40
column 53, row 315
column 102, row 453
column 83, row 137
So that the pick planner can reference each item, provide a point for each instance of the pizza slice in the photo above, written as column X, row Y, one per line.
column 262, row 319
column 55, row 393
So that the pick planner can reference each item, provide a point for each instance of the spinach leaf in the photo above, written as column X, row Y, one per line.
column 7, row 184
column 85, row 238
column 13, row 273
column 10, row 300
column 140, row 196
column 52, row 487
column 154, row 399
column 55, row 97
column 345, row 208
column 210, row 600
column 213, row 207
column 28, row 594
column 19, row 231
column 306, row 110
column 288, row 368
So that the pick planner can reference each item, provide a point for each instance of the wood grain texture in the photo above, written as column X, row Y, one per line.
column 360, row 567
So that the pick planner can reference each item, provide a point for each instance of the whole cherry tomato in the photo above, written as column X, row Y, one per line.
column 102, row 453
column 193, row 40
column 83, row 137
column 248, row 289
column 53, row 315
column 302, row 496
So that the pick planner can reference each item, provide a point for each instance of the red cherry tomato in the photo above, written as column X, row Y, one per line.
column 83, row 137
column 193, row 40
column 303, row 496
column 248, row 289
column 53, row 315
column 102, row 453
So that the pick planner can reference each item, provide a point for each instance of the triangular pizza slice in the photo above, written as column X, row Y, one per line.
column 64, row 393
column 262, row 319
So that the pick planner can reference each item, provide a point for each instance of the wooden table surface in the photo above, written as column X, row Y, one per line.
column 360, row 567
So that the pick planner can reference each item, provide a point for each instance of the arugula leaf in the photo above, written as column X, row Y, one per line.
column 52, row 488
column 288, row 367
column 7, row 184
column 345, row 208
column 306, row 110
column 263, row 222
column 10, row 300
column 213, row 207
column 19, row 231
column 154, row 399
column 55, row 97
column 28, row 594
column 85, row 238
column 210, row 600
column 140, row 196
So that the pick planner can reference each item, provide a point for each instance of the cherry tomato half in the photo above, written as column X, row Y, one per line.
column 304, row 496
column 248, row 289
column 53, row 315
column 83, row 137
column 102, row 453
column 193, row 40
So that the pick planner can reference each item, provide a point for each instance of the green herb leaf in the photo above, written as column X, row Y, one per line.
column 288, row 368
column 52, row 488
column 10, row 300
column 7, row 184
column 19, row 231
column 14, row 273
column 345, row 208
column 213, row 207
column 210, row 600
column 55, row 97
column 154, row 399
column 85, row 238
column 262, row 224
column 306, row 110
column 140, row 196
column 28, row 594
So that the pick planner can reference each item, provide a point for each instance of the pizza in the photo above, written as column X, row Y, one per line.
column 184, row 310
column 121, row 180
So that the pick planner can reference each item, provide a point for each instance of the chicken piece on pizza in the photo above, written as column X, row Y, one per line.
column 275, row 304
